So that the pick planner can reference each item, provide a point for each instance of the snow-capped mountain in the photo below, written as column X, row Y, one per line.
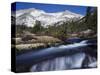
column 30, row 16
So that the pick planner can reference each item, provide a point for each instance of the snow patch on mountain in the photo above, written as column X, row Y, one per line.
column 30, row 16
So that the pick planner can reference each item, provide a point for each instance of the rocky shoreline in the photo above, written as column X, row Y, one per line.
column 32, row 41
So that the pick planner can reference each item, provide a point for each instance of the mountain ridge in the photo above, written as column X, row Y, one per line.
column 30, row 16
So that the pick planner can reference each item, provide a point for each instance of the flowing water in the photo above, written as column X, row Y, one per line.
column 63, row 57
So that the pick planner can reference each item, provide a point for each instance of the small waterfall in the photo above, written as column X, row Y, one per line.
column 84, row 42
column 64, row 63
column 73, row 45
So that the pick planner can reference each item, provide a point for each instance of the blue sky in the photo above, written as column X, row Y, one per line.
column 52, row 7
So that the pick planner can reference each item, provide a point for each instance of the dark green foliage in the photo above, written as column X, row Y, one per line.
column 37, row 27
column 20, row 28
column 89, row 21
column 59, row 31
